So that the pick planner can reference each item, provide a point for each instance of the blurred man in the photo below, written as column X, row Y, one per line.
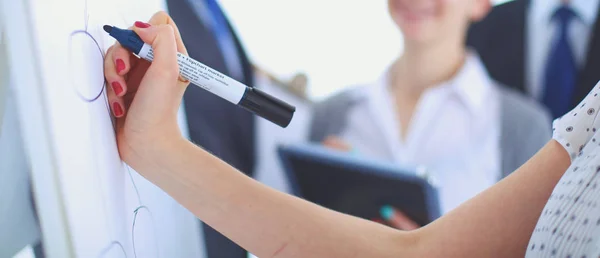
column 221, row 128
column 549, row 49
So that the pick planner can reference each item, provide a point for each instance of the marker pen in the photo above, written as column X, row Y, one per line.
column 254, row 100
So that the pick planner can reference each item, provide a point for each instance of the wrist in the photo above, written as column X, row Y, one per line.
column 140, row 151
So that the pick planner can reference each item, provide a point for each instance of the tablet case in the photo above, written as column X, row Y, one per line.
column 358, row 186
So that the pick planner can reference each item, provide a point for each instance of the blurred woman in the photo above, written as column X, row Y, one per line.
column 437, row 107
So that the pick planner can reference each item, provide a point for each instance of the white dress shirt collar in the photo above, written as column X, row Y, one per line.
column 471, row 87
column 471, row 84
column 586, row 10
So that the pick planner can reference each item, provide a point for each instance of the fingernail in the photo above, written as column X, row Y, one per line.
column 117, row 109
column 120, row 65
column 386, row 212
column 142, row 25
column 117, row 88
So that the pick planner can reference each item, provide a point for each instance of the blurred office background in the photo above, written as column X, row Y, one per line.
column 324, row 39
column 336, row 44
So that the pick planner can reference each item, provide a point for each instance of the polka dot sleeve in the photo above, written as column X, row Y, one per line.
column 575, row 129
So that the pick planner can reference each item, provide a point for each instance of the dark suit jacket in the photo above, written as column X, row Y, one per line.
column 500, row 39
column 221, row 128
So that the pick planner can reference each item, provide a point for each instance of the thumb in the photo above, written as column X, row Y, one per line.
column 162, row 40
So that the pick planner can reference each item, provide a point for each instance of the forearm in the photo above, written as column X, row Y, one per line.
column 496, row 223
column 265, row 222
column 499, row 221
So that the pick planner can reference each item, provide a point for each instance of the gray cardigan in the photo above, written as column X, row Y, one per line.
column 525, row 125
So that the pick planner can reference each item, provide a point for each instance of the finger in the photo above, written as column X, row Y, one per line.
column 397, row 219
column 163, row 18
column 115, row 81
column 124, row 60
column 116, row 103
column 121, row 59
column 160, row 18
column 336, row 143
column 162, row 40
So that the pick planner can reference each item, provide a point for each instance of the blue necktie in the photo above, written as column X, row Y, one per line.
column 226, row 42
column 561, row 69
column 219, row 23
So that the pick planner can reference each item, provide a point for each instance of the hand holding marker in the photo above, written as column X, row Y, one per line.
column 213, row 81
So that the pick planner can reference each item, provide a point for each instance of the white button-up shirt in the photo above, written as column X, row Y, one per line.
column 454, row 132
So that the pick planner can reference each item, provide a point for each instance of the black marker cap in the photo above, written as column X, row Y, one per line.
column 267, row 106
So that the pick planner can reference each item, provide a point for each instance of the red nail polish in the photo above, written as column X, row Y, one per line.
column 120, row 65
column 117, row 109
column 142, row 25
column 117, row 88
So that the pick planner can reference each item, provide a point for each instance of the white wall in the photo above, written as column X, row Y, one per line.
column 332, row 41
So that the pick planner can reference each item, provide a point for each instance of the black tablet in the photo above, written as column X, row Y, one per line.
column 358, row 186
